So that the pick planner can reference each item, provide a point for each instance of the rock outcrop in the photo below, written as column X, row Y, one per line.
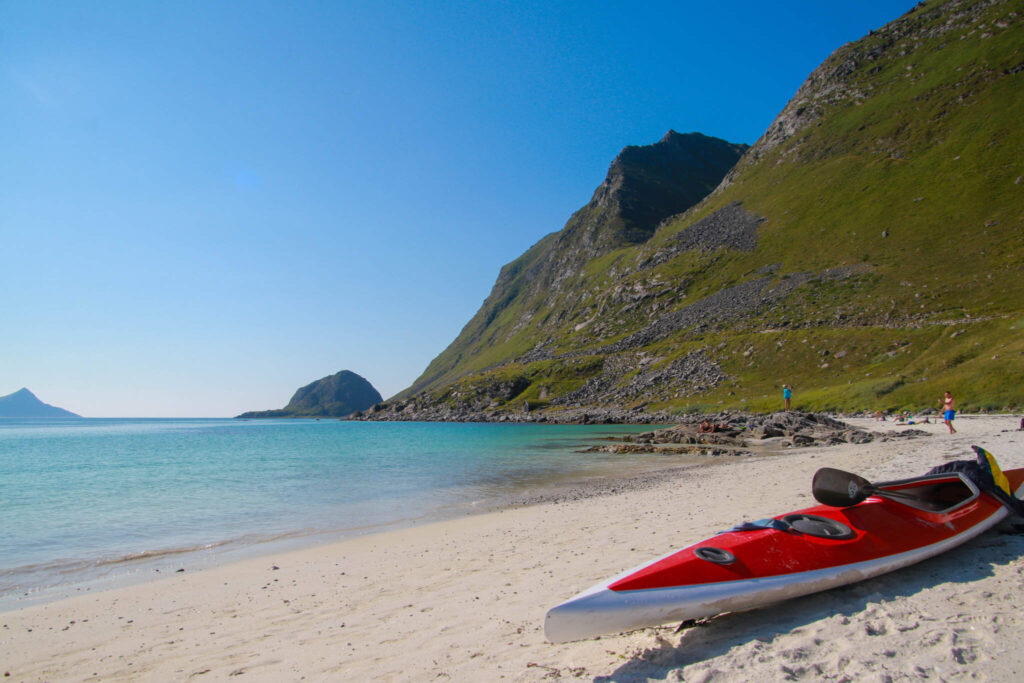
column 336, row 395
column 740, row 434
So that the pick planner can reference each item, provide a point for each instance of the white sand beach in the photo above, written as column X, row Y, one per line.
column 465, row 599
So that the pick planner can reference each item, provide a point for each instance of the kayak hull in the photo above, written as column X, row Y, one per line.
column 770, row 565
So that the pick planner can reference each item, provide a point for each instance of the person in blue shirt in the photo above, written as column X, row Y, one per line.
column 787, row 394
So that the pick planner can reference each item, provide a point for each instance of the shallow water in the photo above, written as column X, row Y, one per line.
column 86, row 499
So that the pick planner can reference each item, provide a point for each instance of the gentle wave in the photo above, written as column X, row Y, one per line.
column 34, row 577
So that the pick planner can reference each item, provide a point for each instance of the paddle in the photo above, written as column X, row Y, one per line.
column 843, row 489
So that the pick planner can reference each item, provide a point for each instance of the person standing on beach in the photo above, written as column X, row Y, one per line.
column 949, row 411
column 787, row 394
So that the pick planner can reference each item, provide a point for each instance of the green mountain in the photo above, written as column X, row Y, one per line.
column 867, row 250
column 336, row 395
column 23, row 403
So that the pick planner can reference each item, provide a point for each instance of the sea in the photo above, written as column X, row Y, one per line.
column 88, row 503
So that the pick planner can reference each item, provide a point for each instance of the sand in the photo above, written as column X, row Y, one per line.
column 465, row 599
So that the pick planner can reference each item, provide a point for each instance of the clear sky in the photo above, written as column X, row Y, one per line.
column 206, row 205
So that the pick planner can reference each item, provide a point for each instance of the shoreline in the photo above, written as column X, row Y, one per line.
column 77, row 576
column 37, row 569
column 156, row 566
column 68, row 578
column 465, row 598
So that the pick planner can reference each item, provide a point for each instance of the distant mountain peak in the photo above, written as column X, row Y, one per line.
column 23, row 403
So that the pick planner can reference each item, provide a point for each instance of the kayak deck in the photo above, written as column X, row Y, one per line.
column 895, row 528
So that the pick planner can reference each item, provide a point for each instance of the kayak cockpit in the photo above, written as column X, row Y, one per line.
column 939, row 494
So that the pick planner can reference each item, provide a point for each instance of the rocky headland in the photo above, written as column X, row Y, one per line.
column 336, row 395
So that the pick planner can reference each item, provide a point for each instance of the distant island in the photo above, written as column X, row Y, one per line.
column 23, row 403
column 336, row 395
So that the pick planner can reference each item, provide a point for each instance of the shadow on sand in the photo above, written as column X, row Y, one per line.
column 970, row 562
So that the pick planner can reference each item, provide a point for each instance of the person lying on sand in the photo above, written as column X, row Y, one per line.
column 707, row 427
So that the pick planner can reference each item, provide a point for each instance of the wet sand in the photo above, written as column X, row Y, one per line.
column 465, row 599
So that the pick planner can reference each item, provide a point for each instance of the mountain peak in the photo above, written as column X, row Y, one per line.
column 647, row 184
column 23, row 403
column 673, row 137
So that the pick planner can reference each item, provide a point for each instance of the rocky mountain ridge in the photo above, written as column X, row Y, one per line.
column 644, row 186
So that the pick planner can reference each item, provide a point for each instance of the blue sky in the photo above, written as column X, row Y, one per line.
column 206, row 205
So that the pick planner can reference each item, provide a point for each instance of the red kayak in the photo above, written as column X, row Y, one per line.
column 887, row 526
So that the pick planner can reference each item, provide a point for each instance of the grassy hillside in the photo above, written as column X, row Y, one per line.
column 886, row 265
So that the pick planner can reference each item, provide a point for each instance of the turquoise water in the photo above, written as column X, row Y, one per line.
column 82, row 499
